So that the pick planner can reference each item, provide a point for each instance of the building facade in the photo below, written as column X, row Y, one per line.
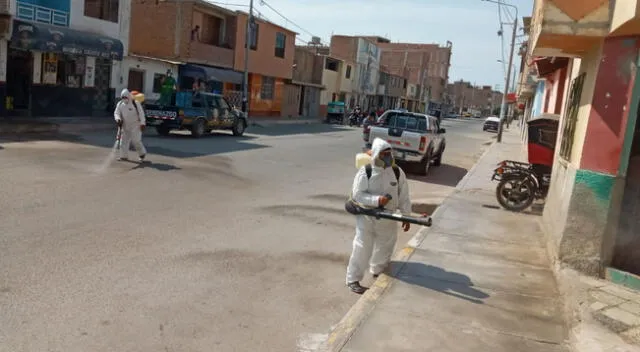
column 302, row 92
column 365, row 72
column 429, row 71
column 271, row 58
column 193, row 39
column 464, row 97
column 63, row 57
column 587, row 55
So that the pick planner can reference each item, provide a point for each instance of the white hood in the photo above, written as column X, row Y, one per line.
column 377, row 146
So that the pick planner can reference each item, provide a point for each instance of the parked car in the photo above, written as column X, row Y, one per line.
column 491, row 123
column 417, row 139
column 200, row 113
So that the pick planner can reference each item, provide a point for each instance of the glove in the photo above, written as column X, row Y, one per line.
column 406, row 226
column 382, row 201
column 142, row 127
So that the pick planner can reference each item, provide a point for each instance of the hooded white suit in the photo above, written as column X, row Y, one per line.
column 375, row 239
column 132, row 116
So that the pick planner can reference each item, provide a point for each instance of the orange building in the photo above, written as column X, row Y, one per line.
column 271, row 57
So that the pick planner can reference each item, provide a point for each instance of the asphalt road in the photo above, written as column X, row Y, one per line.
column 219, row 244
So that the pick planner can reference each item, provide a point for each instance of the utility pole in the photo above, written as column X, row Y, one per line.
column 508, row 79
column 245, row 83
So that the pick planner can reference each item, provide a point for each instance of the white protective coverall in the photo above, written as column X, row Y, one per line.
column 375, row 239
column 132, row 116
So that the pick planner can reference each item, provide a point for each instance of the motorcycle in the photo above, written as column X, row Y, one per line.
column 355, row 119
column 520, row 183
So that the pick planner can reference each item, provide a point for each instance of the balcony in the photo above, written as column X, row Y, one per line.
column 212, row 55
column 568, row 28
column 626, row 18
column 35, row 13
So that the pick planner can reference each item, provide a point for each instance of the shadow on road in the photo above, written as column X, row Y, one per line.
column 176, row 145
column 293, row 129
column 156, row 166
column 445, row 174
column 438, row 279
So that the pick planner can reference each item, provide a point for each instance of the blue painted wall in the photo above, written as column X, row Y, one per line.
column 537, row 100
column 62, row 5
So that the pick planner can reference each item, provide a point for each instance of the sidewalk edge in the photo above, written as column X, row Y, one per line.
column 348, row 325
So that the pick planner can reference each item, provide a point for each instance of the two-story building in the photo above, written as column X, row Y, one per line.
column 586, row 53
column 194, row 39
column 338, row 77
column 366, row 55
column 302, row 92
column 62, row 57
column 391, row 88
column 271, row 55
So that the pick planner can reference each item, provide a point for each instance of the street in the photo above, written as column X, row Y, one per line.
column 219, row 244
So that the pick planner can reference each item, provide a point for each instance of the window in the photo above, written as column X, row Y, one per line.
column 348, row 73
column 255, row 31
column 102, row 9
column 157, row 82
column 571, row 117
column 407, row 122
column 281, row 43
column 266, row 92
column 331, row 65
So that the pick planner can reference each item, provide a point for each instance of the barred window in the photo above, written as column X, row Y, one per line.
column 266, row 92
column 571, row 117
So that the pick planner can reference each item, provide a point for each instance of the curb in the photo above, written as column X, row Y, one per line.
column 283, row 122
column 13, row 129
column 348, row 325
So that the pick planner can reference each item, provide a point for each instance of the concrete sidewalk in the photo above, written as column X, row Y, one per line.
column 478, row 280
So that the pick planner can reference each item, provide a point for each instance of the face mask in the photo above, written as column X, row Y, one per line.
column 387, row 160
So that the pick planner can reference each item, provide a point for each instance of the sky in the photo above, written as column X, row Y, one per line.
column 471, row 25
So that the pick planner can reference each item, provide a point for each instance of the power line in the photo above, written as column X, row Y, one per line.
column 226, row 3
column 264, row 3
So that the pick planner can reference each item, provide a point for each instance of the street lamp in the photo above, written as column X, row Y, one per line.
column 503, row 107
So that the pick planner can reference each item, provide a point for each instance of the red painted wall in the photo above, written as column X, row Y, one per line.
column 610, row 105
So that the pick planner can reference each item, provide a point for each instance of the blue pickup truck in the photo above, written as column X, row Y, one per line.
column 197, row 112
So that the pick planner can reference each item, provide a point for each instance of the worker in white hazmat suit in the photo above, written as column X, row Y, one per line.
column 375, row 240
column 130, row 117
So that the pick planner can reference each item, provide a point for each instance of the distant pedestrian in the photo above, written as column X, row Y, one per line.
column 129, row 116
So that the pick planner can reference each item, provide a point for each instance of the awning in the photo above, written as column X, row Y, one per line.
column 212, row 73
column 54, row 39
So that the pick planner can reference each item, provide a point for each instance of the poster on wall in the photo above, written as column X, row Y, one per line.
column 50, row 68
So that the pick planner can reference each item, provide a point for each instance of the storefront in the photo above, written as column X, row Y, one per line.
column 57, row 71
column 145, row 74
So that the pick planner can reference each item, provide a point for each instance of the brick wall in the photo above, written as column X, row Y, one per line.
column 153, row 31
column 308, row 66
column 345, row 48
column 263, row 60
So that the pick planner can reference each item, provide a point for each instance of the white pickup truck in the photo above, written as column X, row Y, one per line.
column 416, row 138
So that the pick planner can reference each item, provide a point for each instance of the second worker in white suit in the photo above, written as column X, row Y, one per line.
column 375, row 239
column 130, row 117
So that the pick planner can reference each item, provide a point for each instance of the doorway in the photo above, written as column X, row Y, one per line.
column 136, row 80
column 19, row 80
column 102, row 84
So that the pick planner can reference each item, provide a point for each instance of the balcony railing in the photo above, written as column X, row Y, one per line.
column 211, row 54
column 35, row 13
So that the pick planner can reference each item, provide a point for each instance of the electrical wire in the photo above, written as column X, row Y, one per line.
column 226, row 3
column 288, row 21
